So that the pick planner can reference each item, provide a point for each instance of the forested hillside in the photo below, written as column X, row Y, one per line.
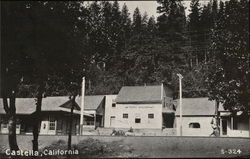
column 51, row 45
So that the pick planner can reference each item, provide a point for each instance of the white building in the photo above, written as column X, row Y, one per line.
column 234, row 124
column 140, row 107
column 197, row 114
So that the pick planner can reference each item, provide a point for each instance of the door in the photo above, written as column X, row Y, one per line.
column 44, row 127
column 112, row 121
column 224, row 127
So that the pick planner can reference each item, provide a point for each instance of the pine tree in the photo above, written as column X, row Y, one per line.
column 125, row 22
column 152, row 25
column 137, row 21
column 229, row 80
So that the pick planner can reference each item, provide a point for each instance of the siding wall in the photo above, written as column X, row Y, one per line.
column 134, row 111
column 108, row 111
column 204, row 130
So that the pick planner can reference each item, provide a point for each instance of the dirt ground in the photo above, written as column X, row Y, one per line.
column 137, row 147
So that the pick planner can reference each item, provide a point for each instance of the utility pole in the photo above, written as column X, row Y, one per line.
column 180, row 101
column 82, row 105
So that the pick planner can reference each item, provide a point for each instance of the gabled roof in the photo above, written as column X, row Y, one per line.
column 23, row 106
column 28, row 105
column 139, row 94
column 90, row 102
column 196, row 107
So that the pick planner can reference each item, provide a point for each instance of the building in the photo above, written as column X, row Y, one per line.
column 55, row 115
column 140, row 107
column 234, row 124
column 147, row 109
column 197, row 114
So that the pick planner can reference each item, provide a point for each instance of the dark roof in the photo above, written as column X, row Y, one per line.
column 28, row 105
column 139, row 94
column 196, row 107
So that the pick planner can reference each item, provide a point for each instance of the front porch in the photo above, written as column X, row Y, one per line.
column 234, row 126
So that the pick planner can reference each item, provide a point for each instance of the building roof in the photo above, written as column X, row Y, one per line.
column 139, row 94
column 28, row 105
column 196, row 107
column 23, row 105
column 90, row 102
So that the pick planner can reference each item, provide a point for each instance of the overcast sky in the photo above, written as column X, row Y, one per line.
column 150, row 6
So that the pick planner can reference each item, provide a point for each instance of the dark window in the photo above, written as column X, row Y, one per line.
column 113, row 105
column 137, row 120
column 125, row 115
column 151, row 116
column 194, row 125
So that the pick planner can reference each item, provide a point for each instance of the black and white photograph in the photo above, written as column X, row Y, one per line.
column 124, row 79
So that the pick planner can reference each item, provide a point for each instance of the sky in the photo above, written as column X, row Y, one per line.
column 150, row 6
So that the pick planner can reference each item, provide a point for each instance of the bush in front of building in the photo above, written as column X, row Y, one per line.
column 93, row 148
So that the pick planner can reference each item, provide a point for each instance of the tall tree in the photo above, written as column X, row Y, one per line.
column 125, row 22
column 11, row 63
column 49, row 44
column 137, row 21
column 194, row 32
column 229, row 80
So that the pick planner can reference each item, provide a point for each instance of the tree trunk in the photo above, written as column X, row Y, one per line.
column 12, row 122
column 12, row 133
column 8, row 90
column 37, row 116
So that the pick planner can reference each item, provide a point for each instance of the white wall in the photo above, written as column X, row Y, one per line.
column 133, row 110
column 204, row 130
column 109, row 99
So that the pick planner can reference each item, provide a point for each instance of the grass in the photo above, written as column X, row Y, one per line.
column 153, row 147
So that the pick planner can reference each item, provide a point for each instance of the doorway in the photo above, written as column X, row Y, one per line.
column 224, row 126
column 112, row 121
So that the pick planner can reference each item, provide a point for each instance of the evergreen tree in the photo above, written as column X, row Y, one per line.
column 229, row 79
column 137, row 21
column 125, row 23
column 152, row 25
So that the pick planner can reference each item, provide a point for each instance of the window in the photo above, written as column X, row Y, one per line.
column 151, row 116
column 113, row 105
column 125, row 115
column 52, row 124
column 194, row 125
column 137, row 120
column 4, row 125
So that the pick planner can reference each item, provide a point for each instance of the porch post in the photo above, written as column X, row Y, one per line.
column 94, row 119
column 221, row 127
column 232, row 123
